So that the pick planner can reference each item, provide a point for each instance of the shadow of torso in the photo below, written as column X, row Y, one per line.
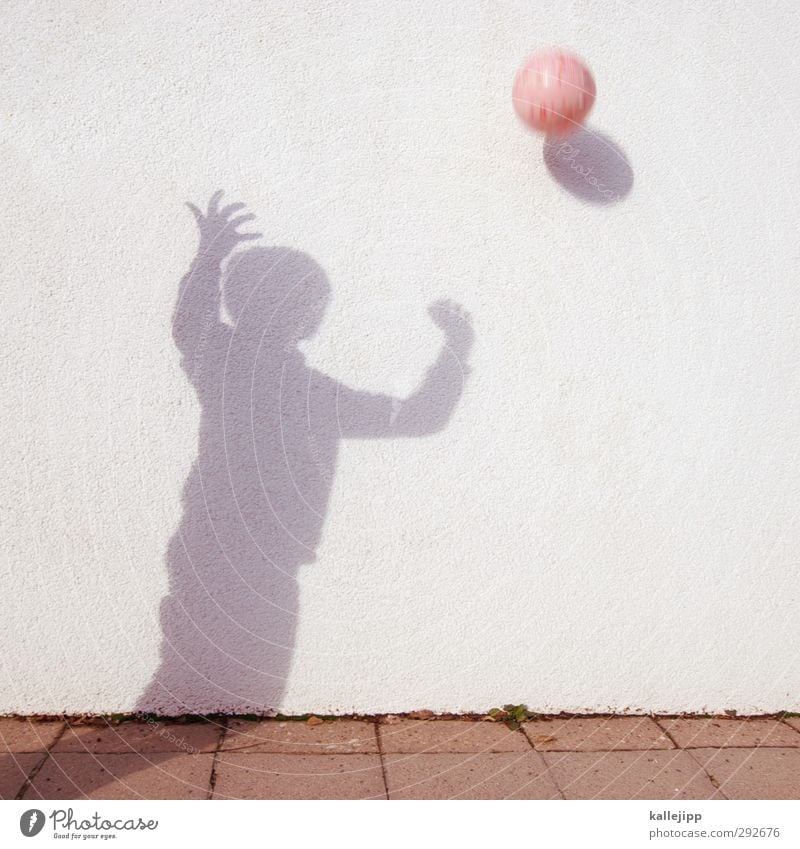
column 254, row 505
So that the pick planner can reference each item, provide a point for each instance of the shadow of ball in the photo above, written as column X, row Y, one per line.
column 590, row 166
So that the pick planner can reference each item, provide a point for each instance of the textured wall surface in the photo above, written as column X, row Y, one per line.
column 310, row 492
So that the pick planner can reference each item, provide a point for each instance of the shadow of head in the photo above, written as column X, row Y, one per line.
column 282, row 291
column 590, row 166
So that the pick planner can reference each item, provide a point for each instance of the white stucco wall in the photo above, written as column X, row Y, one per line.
column 609, row 519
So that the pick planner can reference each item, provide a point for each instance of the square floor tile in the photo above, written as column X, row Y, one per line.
column 596, row 734
column 157, row 776
column 278, row 776
column 14, row 769
column 141, row 737
column 767, row 773
column 793, row 722
column 630, row 775
column 518, row 775
column 334, row 737
column 25, row 735
column 695, row 733
column 449, row 735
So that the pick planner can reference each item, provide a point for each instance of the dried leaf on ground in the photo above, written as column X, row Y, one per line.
column 421, row 714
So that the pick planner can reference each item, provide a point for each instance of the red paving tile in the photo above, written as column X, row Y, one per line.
column 278, row 776
column 24, row 735
column 517, row 775
column 330, row 738
column 691, row 732
column 143, row 737
column 122, row 776
column 793, row 722
column 764, row 773
column 630, row 775
column 443, row 735
column 596, row 734
column 14, row 769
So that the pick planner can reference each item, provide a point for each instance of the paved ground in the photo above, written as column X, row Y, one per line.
column 400, row 758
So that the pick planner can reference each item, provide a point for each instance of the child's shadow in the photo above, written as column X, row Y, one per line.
column 256, row 497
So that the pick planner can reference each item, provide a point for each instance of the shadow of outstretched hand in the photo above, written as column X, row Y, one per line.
column 456, row 323
column 218, row 234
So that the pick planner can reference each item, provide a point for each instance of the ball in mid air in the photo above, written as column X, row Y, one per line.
column 553, row 92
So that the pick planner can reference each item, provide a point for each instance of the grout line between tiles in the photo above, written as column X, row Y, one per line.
column 376, row 727
column 35, row 771
column 212, row 780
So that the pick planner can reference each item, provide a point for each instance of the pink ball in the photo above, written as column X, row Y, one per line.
column 553, row 92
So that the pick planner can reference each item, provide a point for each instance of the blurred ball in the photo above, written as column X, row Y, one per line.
column 553, row 92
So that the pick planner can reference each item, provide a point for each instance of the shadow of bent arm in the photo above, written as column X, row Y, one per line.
column 364, row 415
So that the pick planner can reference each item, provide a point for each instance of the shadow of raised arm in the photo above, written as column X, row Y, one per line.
column 196, row 318
column 363, row 415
